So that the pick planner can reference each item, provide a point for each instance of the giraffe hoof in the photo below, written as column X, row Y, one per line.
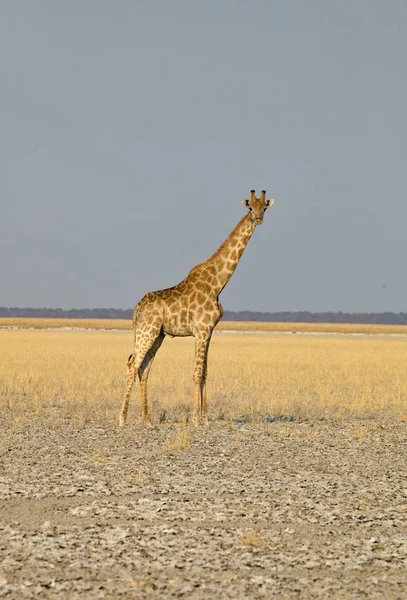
column 122, row 421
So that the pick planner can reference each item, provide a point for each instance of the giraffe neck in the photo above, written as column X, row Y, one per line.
column 226, row 258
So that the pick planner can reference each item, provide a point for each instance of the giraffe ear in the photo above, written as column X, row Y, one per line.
column 269, row 203
column 246, row 202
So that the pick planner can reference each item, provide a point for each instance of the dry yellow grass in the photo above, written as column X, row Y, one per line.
column 364, row 328
column 81, row 374
column 39, row 323
column 126, row 324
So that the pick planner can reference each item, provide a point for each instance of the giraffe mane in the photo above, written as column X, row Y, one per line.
column 220, row 249
column 226, row 242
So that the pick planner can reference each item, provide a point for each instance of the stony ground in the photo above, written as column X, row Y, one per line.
column 242, row 510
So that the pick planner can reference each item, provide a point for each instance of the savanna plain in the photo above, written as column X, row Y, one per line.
column 297, row 489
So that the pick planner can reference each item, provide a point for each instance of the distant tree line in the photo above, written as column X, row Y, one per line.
column 386, row 318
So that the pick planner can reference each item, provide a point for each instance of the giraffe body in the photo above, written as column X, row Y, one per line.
column 190, row 308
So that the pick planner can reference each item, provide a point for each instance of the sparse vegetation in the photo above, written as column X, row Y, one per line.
column 269, row 491
column 181, row 440
column 251, row 538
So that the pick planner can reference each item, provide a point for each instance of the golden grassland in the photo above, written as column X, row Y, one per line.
column 126, row 324
column 81, row 374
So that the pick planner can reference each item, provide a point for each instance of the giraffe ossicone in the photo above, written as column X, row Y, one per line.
column 190, row 308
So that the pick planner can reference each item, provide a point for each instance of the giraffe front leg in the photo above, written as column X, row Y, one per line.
column 204, row 414
column 199, row 414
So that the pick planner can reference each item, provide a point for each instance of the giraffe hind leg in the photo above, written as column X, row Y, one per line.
column 130, row 377
column 145, row 341
column 143, row 373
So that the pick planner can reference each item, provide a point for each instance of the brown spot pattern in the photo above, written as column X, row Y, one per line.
column 191, row 307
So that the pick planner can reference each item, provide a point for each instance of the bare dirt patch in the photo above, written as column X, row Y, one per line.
column 313, row 509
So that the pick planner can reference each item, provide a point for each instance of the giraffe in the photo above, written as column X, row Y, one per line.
column 190, row 308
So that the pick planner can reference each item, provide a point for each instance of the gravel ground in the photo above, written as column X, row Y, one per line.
column 242, row 510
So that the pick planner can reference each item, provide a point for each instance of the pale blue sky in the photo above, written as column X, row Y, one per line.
column 131, row 130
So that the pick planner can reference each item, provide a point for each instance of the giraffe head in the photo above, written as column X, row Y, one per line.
column 257, row 206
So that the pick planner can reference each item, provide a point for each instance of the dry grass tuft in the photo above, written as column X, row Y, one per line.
column 178, row 441
column 140, row 584
column 361, row 432
column 251, row 538
column 138, row 479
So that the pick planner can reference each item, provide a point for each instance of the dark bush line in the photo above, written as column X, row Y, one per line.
column 386, row 318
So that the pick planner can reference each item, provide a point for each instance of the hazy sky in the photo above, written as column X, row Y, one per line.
column 131, row 130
